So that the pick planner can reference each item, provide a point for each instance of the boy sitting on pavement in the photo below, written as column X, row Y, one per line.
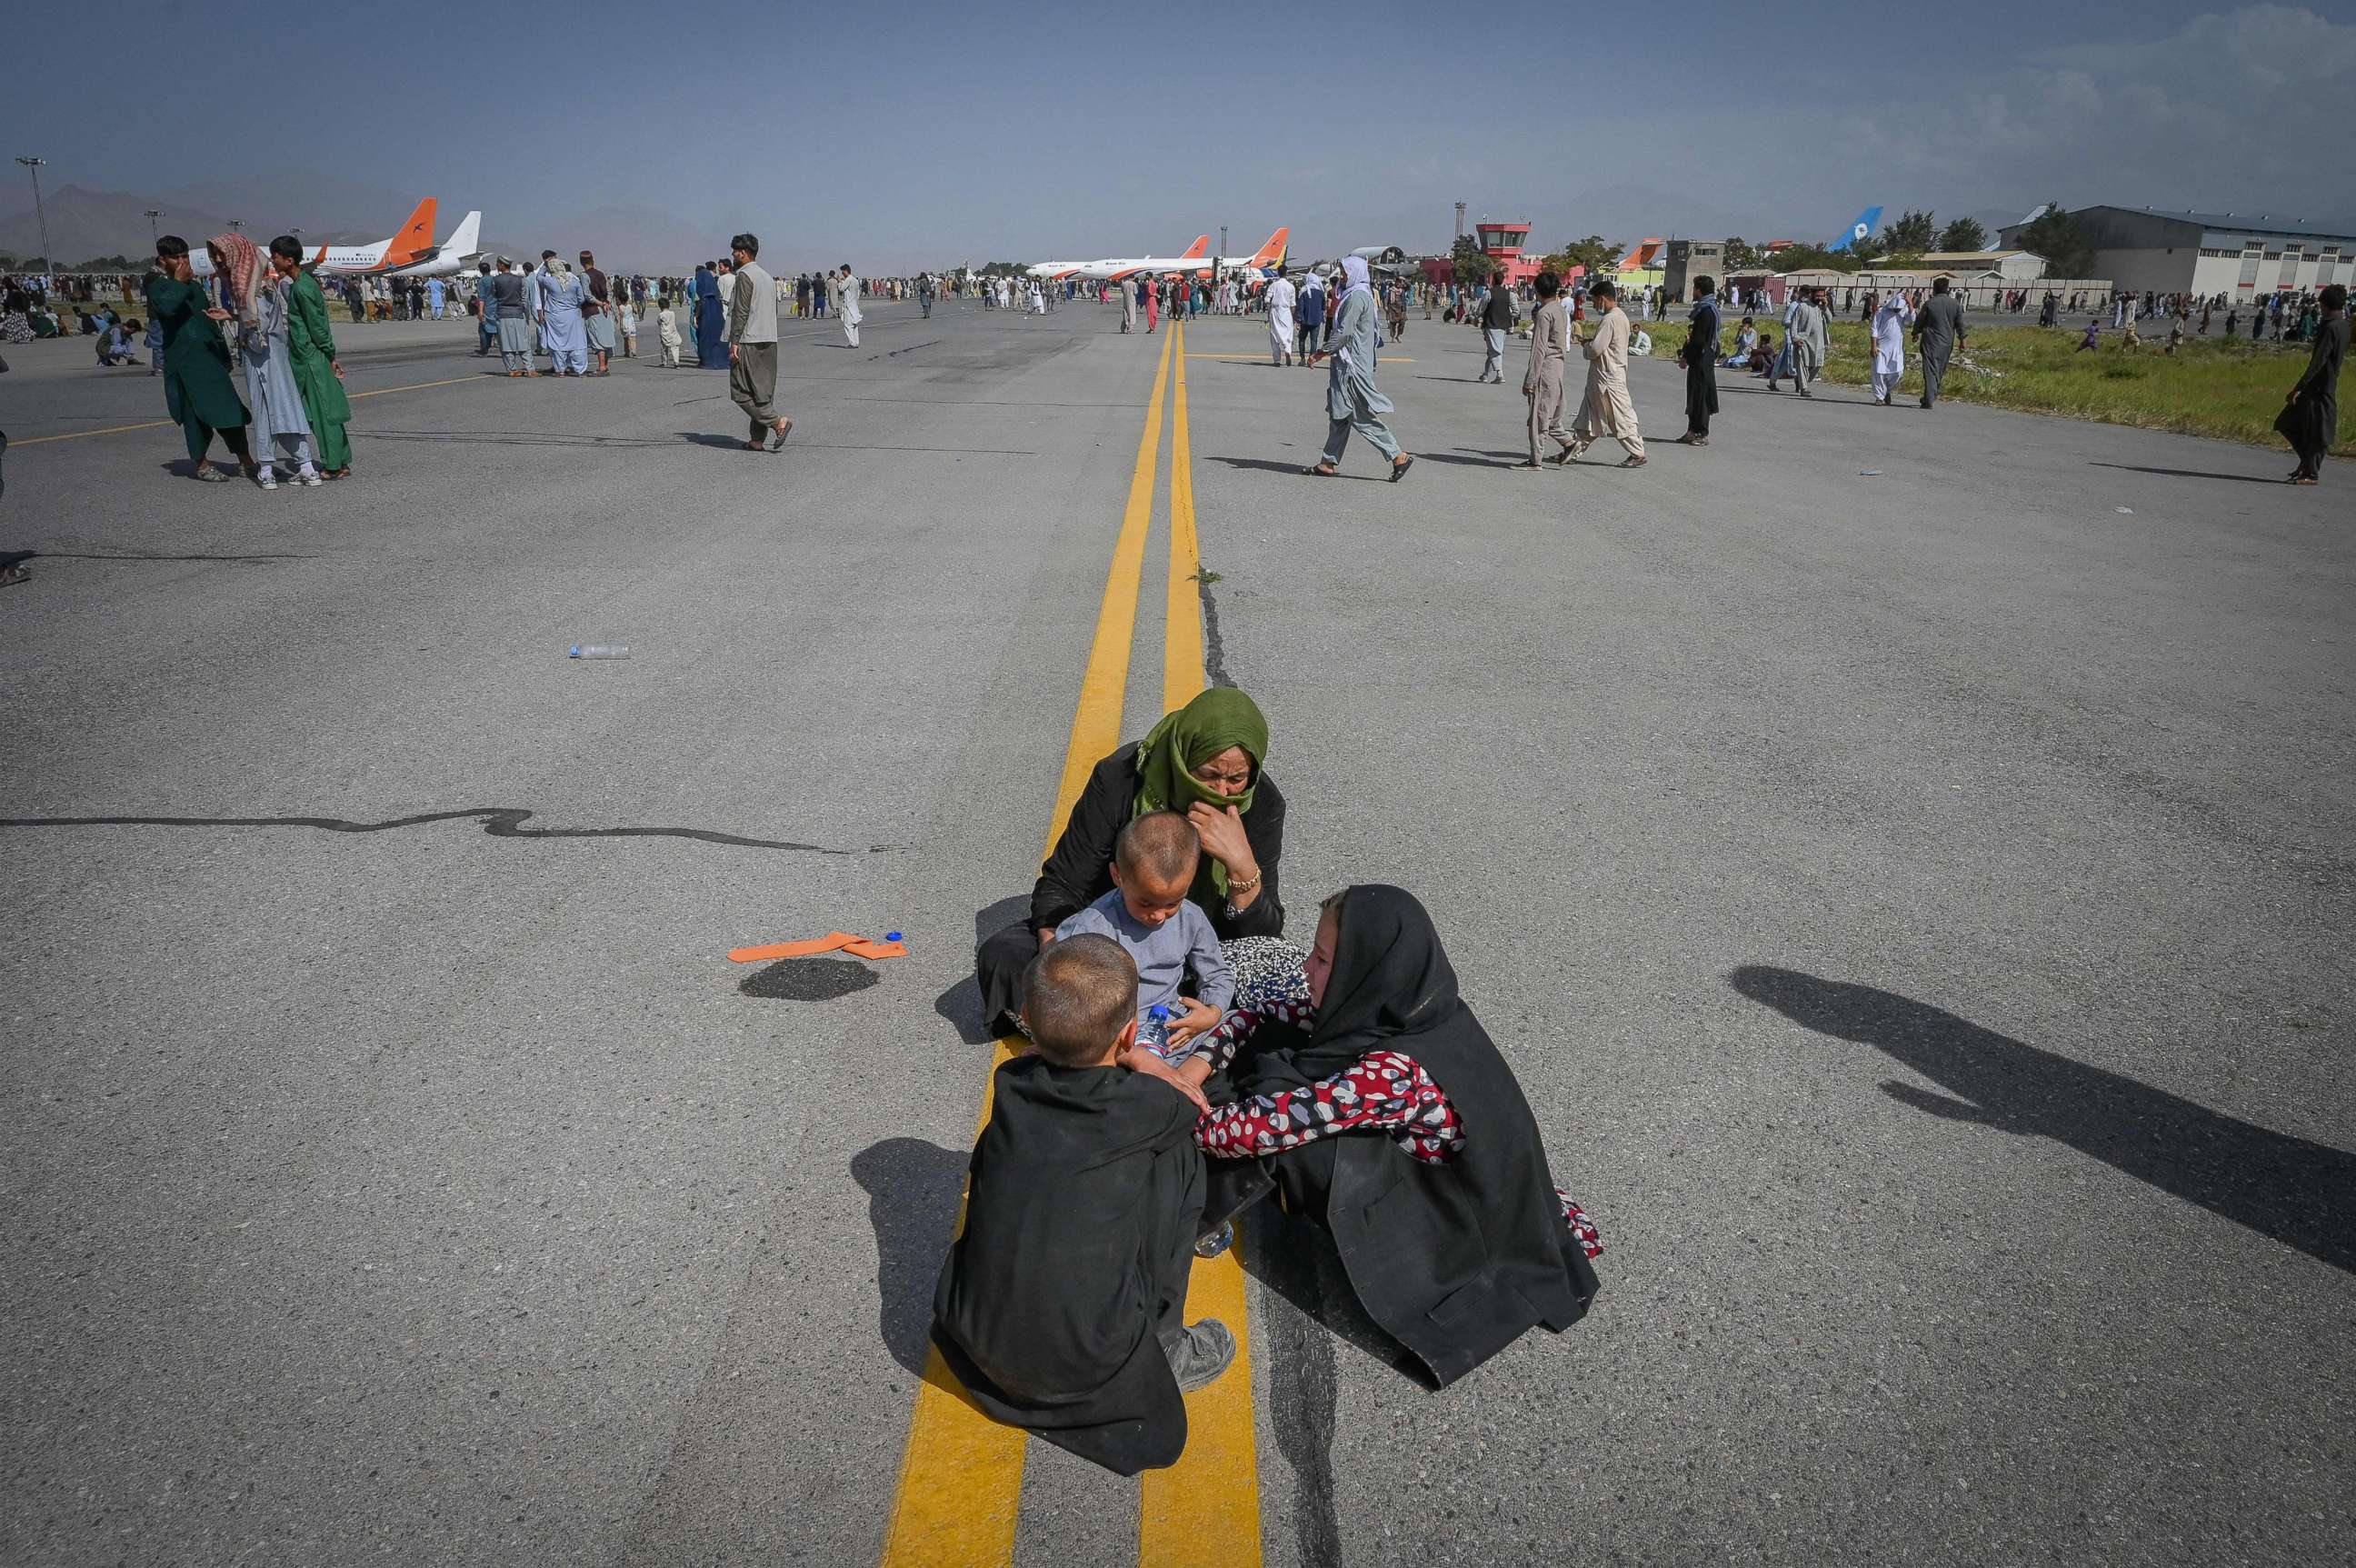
column 1149, row 914
column 1060, row 1308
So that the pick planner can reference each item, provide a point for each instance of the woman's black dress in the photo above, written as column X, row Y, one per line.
column 1454, row 1261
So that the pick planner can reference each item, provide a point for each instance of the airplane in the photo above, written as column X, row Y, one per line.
column 1113, row 269
column 1643, row 256
column 1201, row 247
column 412, row 241
column 1862, row 230
column 453, row 255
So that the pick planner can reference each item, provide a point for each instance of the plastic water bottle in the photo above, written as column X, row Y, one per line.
column 599, row 651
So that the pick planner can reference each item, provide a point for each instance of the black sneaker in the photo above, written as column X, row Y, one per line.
column 1199, row 1354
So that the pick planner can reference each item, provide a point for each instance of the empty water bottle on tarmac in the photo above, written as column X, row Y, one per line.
column 599, row 651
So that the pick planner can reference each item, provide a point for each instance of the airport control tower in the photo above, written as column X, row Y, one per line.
column 1503, row 243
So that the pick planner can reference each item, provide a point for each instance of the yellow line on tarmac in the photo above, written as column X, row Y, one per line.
column 1204, row 1511
column 961, row 1474
column 162, row 423
column 1387, row 358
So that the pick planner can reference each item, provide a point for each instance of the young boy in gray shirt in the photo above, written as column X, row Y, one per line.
column 1148, row 912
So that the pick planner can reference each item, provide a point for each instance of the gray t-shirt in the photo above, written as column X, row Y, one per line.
column 1162, row 953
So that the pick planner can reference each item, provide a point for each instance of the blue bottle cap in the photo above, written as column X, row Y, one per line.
column 1159, row 1013
column 891, row 936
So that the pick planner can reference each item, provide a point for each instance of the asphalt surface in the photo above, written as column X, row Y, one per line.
column 1920, row 905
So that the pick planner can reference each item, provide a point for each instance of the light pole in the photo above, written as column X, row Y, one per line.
column 152, row 214
column 1460, row 220
column 1223, row 239
column 48, row 261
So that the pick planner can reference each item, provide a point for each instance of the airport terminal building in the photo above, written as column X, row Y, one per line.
column 2240, row 255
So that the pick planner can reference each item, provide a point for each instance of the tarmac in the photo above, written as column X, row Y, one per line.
column 1910, row 859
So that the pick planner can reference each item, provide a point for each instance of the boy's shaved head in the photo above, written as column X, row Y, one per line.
column 1077, row 996
column 1161, row 846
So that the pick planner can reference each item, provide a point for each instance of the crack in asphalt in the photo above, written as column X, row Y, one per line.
column 498, row 822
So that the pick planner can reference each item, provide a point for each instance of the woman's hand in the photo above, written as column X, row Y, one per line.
column 216, row 315
column 1221, row 828
column 1138, row 1059
column 337, row 366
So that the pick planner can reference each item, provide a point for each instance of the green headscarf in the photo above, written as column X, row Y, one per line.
column 1218, row 717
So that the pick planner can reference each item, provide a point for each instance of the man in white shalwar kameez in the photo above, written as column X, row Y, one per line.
column 851, row 315
column 1281, row 295
column 1890, row 345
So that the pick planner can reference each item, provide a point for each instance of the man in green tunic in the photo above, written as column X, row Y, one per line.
column 197, row 387
column 311, row 352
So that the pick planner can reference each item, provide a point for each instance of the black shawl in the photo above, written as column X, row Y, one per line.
column 1455, row 1262
column 1079, row 1228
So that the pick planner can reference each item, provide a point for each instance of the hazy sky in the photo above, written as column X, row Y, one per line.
column 937, row 135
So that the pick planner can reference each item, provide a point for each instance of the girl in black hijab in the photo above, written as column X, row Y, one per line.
column 1381, row 1109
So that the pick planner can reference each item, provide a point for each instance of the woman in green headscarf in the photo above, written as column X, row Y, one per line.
column 1205, row 759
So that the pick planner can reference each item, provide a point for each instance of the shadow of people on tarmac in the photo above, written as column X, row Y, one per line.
column 1295, row 1258
column 2301, row 1194
column 913, row 1189
column 960, row 1004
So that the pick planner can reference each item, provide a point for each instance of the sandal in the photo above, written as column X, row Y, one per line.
column 1399, row 468
column 1322, row 471
column 12, row 576
column 778, row 433
column 1632, row 462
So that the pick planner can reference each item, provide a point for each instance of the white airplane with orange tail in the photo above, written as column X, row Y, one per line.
column 1113, row 269
column 410, row 244
column 1057, row 271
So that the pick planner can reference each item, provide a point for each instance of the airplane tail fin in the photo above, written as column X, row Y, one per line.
column 414, row 238
column 466, row 240
column 1268, row 255
column 1200, row 248
column 1860, row 231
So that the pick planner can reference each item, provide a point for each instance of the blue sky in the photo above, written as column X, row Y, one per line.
column 936, row 133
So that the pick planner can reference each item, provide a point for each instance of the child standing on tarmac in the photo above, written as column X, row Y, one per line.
column 1062, row 1306
column 667, row 324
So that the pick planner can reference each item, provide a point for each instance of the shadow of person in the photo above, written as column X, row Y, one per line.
column 1295, row 1258
column 960, row 1004
column 2299, row 1193
column 913, row 1189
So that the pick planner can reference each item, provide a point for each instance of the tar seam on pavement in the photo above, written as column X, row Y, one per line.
column 499, row 822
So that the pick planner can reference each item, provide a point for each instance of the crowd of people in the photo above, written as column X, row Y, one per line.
column 578, row 319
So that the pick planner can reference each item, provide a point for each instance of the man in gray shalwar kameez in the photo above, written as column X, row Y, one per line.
column 504, row 299
column 1805, row 341
column 1352, row 401
column 1939, row 327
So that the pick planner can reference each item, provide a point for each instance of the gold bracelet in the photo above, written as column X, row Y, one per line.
column 1236, row 888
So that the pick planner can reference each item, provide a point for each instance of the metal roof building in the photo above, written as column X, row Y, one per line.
column 2240, row 255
